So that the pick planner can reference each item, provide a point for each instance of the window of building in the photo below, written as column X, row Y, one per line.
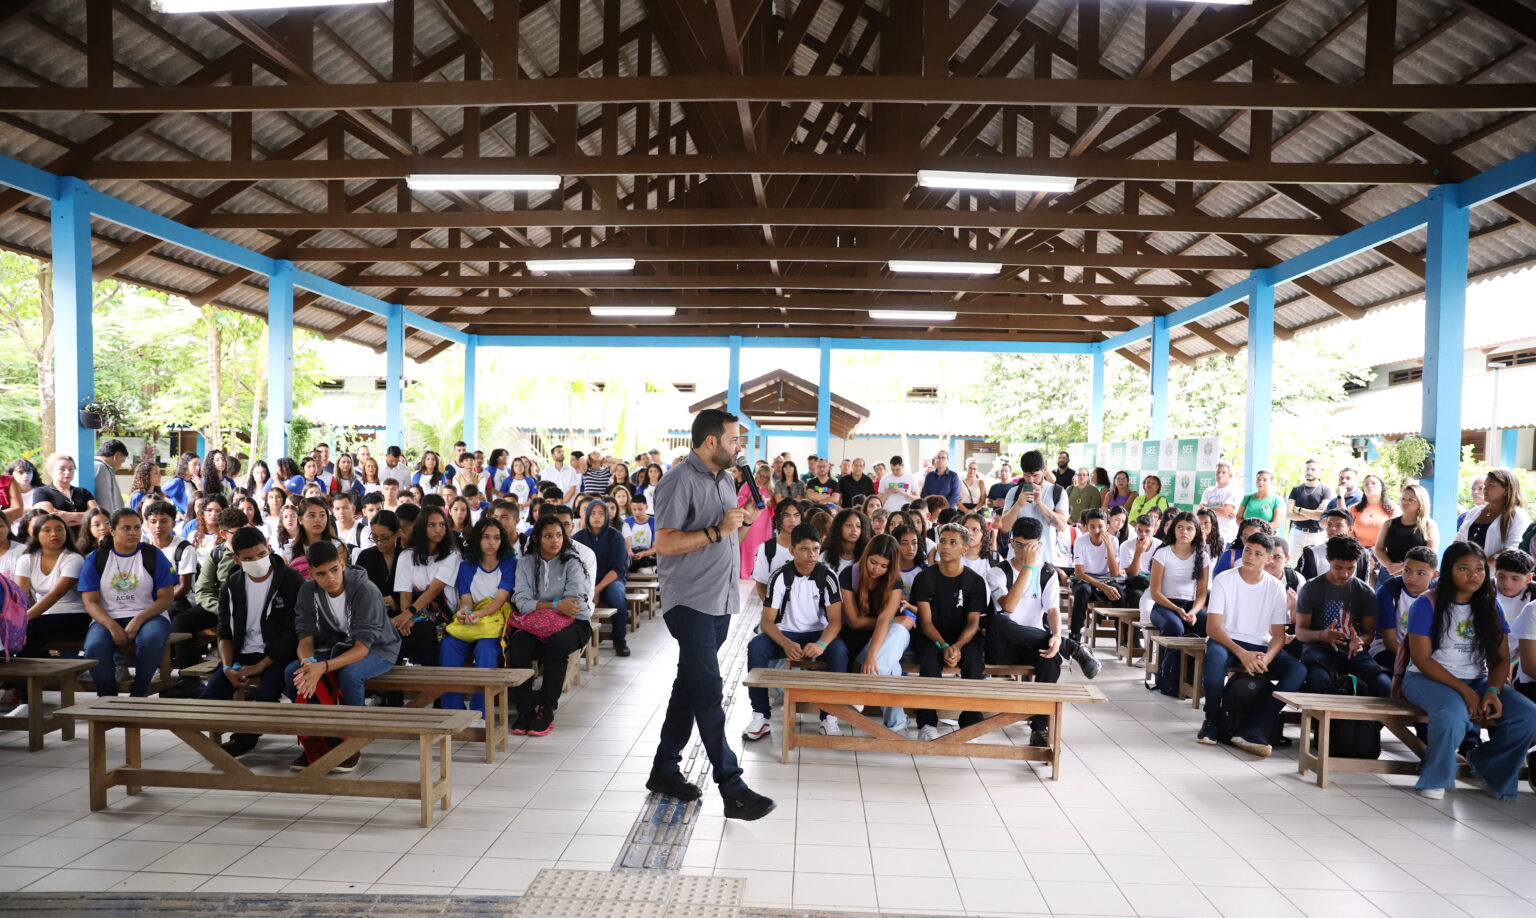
column 923, row 392
column 1402, row 377
column 1520, row 358
column 330, row 384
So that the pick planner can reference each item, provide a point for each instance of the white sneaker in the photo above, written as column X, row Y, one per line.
column 122, row 674
column 927, row 734
column 949, row 722
column 757, row 729
column 479, row 721
column 831, row 727
column 19, row 711
column 1432, row 793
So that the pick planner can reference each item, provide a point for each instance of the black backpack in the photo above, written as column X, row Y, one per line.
column 1352, row 739
column 1243, row 702
column 149, row 556
column 818, row 575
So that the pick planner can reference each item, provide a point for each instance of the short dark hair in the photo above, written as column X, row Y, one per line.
column 232, row 519
column 393, row 451
column 710, row 423
column 322, row 446
column 505, row 503
column 1422, row 554
column 348, row 496
column 803, row 532
column 160, row 508
column 1261, row 539
column 246, row 537
column 1094, row 513
column 638, row 499
column 373, row 497
column 897, row 460
column 558, row 510
column 123, row 513
column 1027, row 527
column 577, row 454
column 1516, row 561
column 406, row 514
column 1032, row 461
column 1338, row 513
column 1145, row 519
column 110, row 448
column 1346, row 548
column 321, row 552
column 433, row 500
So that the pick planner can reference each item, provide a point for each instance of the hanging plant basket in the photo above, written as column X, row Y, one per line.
column 92, row 420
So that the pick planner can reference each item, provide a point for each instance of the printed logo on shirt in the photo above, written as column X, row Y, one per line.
column 1465, row 630
column 125, row 581
column 642, row 537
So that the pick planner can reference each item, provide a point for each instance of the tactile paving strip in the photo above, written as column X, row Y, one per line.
column 629, row 894
column 660, row 835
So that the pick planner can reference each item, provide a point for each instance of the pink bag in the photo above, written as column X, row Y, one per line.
column 541, row 623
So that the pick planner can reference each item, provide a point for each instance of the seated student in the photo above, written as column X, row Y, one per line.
column 1232, row 555
column 1180, row 588
column 373, row 502
column 1135, row 557
column 390, row 488
column 1279, row 568
column 312, row 475
column 550, row 576
column 1512, row 574
column 640, row 533
column 777, row 551
column 351, row 529
column 256, row 636
column 1026, row 629
column 1457, row 672
column 486, row 577
column 94, row 528
column 48, row 573
column 126, row 586
column 1394, row 597
column 1116, row 521
column 950, row 600
column 378, row 560
column 801, row 620
column 1246, row 625
column 1335, row 620
column 1095, row 570
column 876, row 627
column 1313, row 562
column 611, row 556
column 342, row 630
column 426, row 578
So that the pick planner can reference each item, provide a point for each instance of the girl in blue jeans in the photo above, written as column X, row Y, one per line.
column 1458, row 673
column 1179, row 588
column 875, row 629
column 126, row 586
column 486, row 578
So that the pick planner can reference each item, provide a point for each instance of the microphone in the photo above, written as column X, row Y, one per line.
column 747, row 472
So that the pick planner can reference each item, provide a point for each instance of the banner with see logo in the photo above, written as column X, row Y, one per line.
column 1185, row 466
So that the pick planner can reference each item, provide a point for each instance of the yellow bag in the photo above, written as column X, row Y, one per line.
column 490, row 625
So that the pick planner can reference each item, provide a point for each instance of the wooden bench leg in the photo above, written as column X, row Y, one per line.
column 98, row 750
column 1323, row 725
column 1197, row 684
column 492, row 736
column 1304, row 754
column 788, row 741
column 447, row 772
column 133, row 754
column 35, row 713
column 1056, row 742
column 67, row 699
column 426, row 780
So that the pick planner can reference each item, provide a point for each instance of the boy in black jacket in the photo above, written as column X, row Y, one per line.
column 256, row 636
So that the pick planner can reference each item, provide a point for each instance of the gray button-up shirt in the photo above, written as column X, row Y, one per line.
column 689, row 498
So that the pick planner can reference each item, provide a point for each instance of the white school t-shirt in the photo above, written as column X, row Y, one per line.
column 762, row 568
column 68, row 567
column 126, row 588
column 1458, row 645
column 1404, row 602
column 1126, row 552
column 804, row 602
column 1178, row 576
column 484, row 585
column 1522, row 628
column 896, row 491
column 1038, row 601
column 11, row 557
column 1248, row 610
column 1217, row 496
column 411, row 577
column 255, row 600
column 1093, row 558
column 189, row 558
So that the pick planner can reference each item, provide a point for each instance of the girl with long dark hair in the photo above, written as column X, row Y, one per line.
column 426, row 584
column 1210, row 532
column 486, row 577
column 184, row 487
column 875, row 627
column 550, row 578
column 1178, row 587
column 846, row 541
column 1458, row 672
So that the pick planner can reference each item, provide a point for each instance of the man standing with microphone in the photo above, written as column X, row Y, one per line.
column 699, row 567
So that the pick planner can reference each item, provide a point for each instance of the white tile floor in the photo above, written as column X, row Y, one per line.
column 1143, row 822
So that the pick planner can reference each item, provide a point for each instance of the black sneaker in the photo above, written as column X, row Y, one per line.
column 673, row 784
column 1530, row 773
column 621, row 648
column 1040, row 739
column 542, row 723
column 520, row 725
column 746, row 804
column 1084, row 658
column 349, row 764
column 1207, row 735
column 238, row 746
column 300, row 763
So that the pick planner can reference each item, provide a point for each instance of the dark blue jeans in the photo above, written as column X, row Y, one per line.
column 612, row 597
column 764, row 650
column 267, row 687
column 1171, row 624
column 148, row 646
column 697, row 695
column 1286, row 671
column 1325, row 664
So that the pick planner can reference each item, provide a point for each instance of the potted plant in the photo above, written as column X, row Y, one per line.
column 93, row 416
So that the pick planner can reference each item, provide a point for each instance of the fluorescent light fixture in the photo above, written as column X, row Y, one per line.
column 221, row 6
column 909, row 266
column 468, row 182
column 565, row 265
column 632, row 312
column 993, row 181
column 913, row 315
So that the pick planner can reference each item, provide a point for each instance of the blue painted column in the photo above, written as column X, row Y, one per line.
column 471, row 403
column 824, row 401
column 1261, row 374
column 279, row 361
column 733, row 387
column 394, row 377
column 1445, row 320
column 1096, row 397
column 1509, row 448
column 1158, row 429
column 74, row 363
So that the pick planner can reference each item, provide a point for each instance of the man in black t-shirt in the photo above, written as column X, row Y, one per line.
column 950, row 600
column 1308, row 500
column 998, row 493
column 1064, row 472
column 856, row 485
column 1336, row 621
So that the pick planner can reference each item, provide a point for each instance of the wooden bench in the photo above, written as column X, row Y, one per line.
column 425, row 684
column 1121, row 622
column 1149, row 633
column 839, row 693
column 164, row 678
column 1098, row 624
column 1191, row 665
column 191, row 720
column 1320, row 711
column 599, row 617
column 38, row 674
column 649, row 592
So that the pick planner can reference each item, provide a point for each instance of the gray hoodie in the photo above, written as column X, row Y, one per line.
column 541, row 584
column 370, row 623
